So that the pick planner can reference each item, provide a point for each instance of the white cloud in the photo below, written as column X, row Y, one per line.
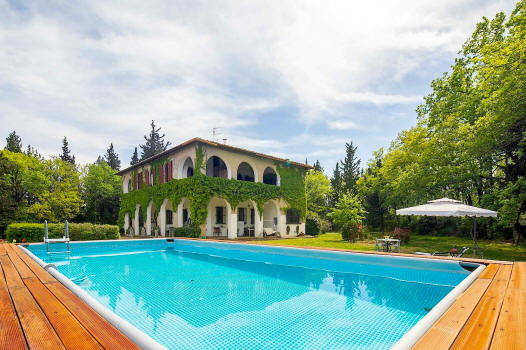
column 99, row 71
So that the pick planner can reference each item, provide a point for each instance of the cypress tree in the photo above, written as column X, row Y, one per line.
column 66, row 153
column 336, row 185
column 135, row 157
column 350, row 168
column 14, row 142
column 112, row 158
column 317, row 166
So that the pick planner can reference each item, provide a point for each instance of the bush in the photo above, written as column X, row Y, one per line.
column 312, row 225
column 77, row 232
column 193, row 231
column 325, row 226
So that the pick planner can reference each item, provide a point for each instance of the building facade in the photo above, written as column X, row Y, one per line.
column 227, row 191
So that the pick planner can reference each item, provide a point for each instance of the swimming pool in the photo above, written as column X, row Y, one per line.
column 190, row 294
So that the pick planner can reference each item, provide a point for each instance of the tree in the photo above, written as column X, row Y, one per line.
column 9, row 205
column 317, row 190
column 350, row 168
column 31, row 151
column 112, row 158
column 66, row 153
column 317, row 166
column 154, row 144
column 14, row 142
column 135, row 157
column 101, row 190
column 348, row 215
column 100, row 160
column 336, row 185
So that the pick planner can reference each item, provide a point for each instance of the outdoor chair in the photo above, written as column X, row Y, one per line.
column 463, row 250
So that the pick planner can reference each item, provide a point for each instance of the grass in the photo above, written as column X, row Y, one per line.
column 495, row 250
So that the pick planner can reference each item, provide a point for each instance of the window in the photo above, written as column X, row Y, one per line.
column 169, row 217
column 167, row 175
column 220, row 215
column 129, row 185
column 190, row 172
column 270, row 177
column 293, row 216
column 241, row 215
column 252, row 213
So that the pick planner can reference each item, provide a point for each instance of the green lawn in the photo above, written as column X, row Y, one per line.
column 496, row 250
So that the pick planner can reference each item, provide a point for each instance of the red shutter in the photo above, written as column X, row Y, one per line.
column 147, row 174
column 161, row 174
column 171, row 169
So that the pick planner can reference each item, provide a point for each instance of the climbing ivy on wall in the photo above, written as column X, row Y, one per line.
column 199, row 189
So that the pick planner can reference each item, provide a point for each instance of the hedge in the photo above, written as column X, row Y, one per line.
column 77, row 232
column 187, row 231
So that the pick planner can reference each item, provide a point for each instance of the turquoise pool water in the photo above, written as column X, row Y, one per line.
column 210, row 295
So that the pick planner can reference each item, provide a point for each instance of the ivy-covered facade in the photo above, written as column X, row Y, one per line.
column 226, row 191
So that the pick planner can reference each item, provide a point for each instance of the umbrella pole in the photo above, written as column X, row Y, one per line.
column 474, row 236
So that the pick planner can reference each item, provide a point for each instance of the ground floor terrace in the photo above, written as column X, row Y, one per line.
column 222, row 220
column 40, row 313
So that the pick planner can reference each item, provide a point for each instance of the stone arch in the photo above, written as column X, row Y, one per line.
column 270, row 176
column 186, row 168
column 183, row 212
column 245, row 172
column 217, row 167
column 218, row 221
column 271, row 217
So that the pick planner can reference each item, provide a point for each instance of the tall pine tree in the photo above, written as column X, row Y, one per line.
column 66, row 153
column 154, row 144
column 14, row 142
column 135, row 157
column 350, row 168
column 31, row 151
column 336, row 185
column 317, row 166
column 112, row 158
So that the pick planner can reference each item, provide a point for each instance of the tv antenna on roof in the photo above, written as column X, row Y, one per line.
column 215, row 134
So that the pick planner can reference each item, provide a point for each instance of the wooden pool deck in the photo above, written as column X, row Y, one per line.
column 38, row 312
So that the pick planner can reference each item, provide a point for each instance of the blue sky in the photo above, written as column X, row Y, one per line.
column 295, row 79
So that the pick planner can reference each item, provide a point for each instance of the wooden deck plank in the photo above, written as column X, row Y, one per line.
column 11, row 335
column 2, row 249
column 510, row 332
column 445, row 330
column 37, row 330
column 22, row 269
column 478, row 330
column 490, row 271
column 72, row 334
column 107, row 335
column 518, row 275
column 100, row 329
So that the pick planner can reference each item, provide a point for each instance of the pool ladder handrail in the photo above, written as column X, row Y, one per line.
column 64, row 239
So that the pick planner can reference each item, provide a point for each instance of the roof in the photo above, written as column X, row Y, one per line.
column 213, row 144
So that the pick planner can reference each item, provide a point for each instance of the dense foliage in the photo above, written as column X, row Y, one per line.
column 470, row 138
column 31, row 232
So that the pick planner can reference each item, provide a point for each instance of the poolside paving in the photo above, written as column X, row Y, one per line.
column 38, row 312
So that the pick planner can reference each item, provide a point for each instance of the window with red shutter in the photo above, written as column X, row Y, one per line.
column 147, row 174
column 161, row 177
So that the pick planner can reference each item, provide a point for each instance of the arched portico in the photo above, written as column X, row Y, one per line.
column 271, row 176
column 221, row 220
column 271, row 217
column 150, row 214
column 166, row 217
column 217, row 167
column 183, row 212
column 249, row 223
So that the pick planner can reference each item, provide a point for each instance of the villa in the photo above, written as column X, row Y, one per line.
column 228, row 191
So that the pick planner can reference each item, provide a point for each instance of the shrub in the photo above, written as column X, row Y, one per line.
column 77, row 232
column 325, row 226
column 312, row 225
column 193, row 231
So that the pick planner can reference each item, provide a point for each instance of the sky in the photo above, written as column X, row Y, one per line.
column 295, row 79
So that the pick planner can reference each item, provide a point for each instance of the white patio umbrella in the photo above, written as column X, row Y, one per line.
column 450, row 207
